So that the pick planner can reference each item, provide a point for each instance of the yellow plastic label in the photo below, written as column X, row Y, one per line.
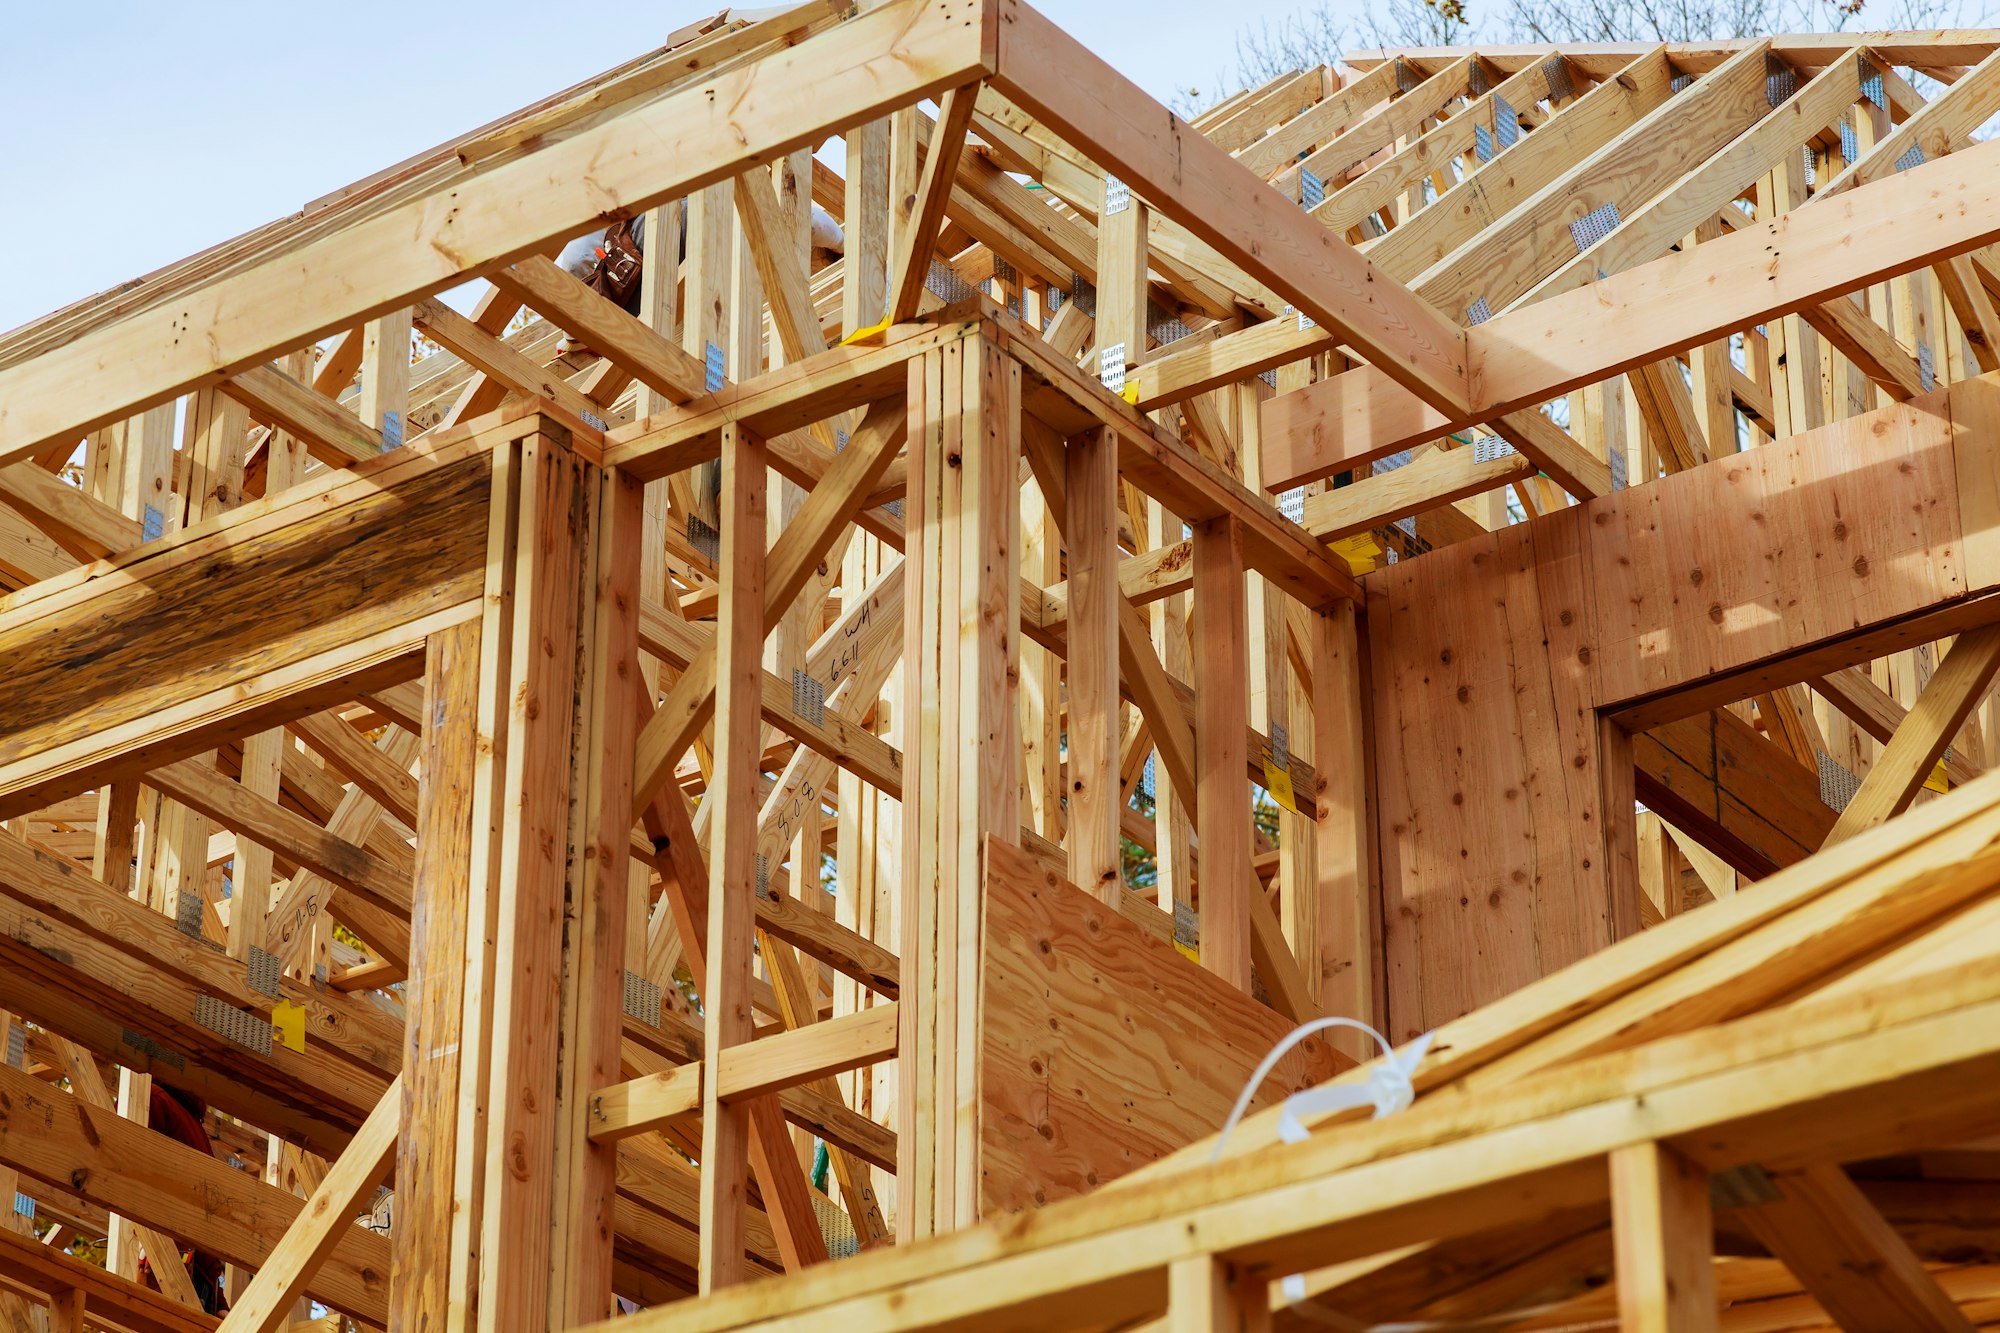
column 288, row 1025
column 1130, row 393
column 867, row 337
column 1938, row 781
column 1359, row 551
column 1278, row 781
column 1188, row 951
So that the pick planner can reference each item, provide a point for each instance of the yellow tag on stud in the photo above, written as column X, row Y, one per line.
column 1938, row 781
column 288, row 1025
column 1130, row 393
column 1188, row 951
column 868, row 337
column 1278, row 781
column 1359, row 551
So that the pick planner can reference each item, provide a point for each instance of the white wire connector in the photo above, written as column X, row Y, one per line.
column 1388, row 1087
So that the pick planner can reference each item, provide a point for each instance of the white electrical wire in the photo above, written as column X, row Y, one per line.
column 1387, row 1086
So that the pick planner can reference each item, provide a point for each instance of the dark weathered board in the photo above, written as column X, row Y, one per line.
column 269, row 615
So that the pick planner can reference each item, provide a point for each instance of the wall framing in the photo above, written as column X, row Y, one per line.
column 1495, row 543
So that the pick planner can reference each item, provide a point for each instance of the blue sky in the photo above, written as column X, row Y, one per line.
column 137, row 133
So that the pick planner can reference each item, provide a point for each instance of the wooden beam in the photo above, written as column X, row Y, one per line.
column 1851, row 1261
column 789, row 1059
column 1190, row 180
column 1742, row 1092
column 382, row 883
column 1912, row 753
column 94, row 1292
column 87, row 1084
column 790, row 562
column 1222, row 800
column 332, row 434
column 428, row 1202
column 122, row 1165
column 795, row 1227
column 1192, row 486
column 1528, row 355
column 646, row 1103
column 1159, row 697
column 545, row 385
column 1664, row 1239
column 653, row 360
column 961, row 664
column 1437, row 476
column 348, row 623
column 80, row 525
column 268, row 1304
column 732, row 886
column 348, row 753
column 1333, row 928
column 1090, row 523
column 655, row 152
column 104, row 945
column 1713, row 777
column 1873, row 709
column 910, row 259
column 1207, row 1295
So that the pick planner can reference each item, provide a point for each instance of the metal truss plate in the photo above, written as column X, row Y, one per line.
column 1111, row 367
column 264, row 969
column 1836, row 784
column 642, row 999
column 1780, row 80
column 153, row 1051
column 251, row 1031
column 1555, row 71
column 808, row 698
column 703, row 538
column 1594, row 226
column 187, row 912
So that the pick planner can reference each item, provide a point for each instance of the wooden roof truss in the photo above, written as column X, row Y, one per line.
column 556, row 782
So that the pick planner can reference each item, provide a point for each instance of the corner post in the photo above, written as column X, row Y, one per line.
column 518, row 929
column 960, row 750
